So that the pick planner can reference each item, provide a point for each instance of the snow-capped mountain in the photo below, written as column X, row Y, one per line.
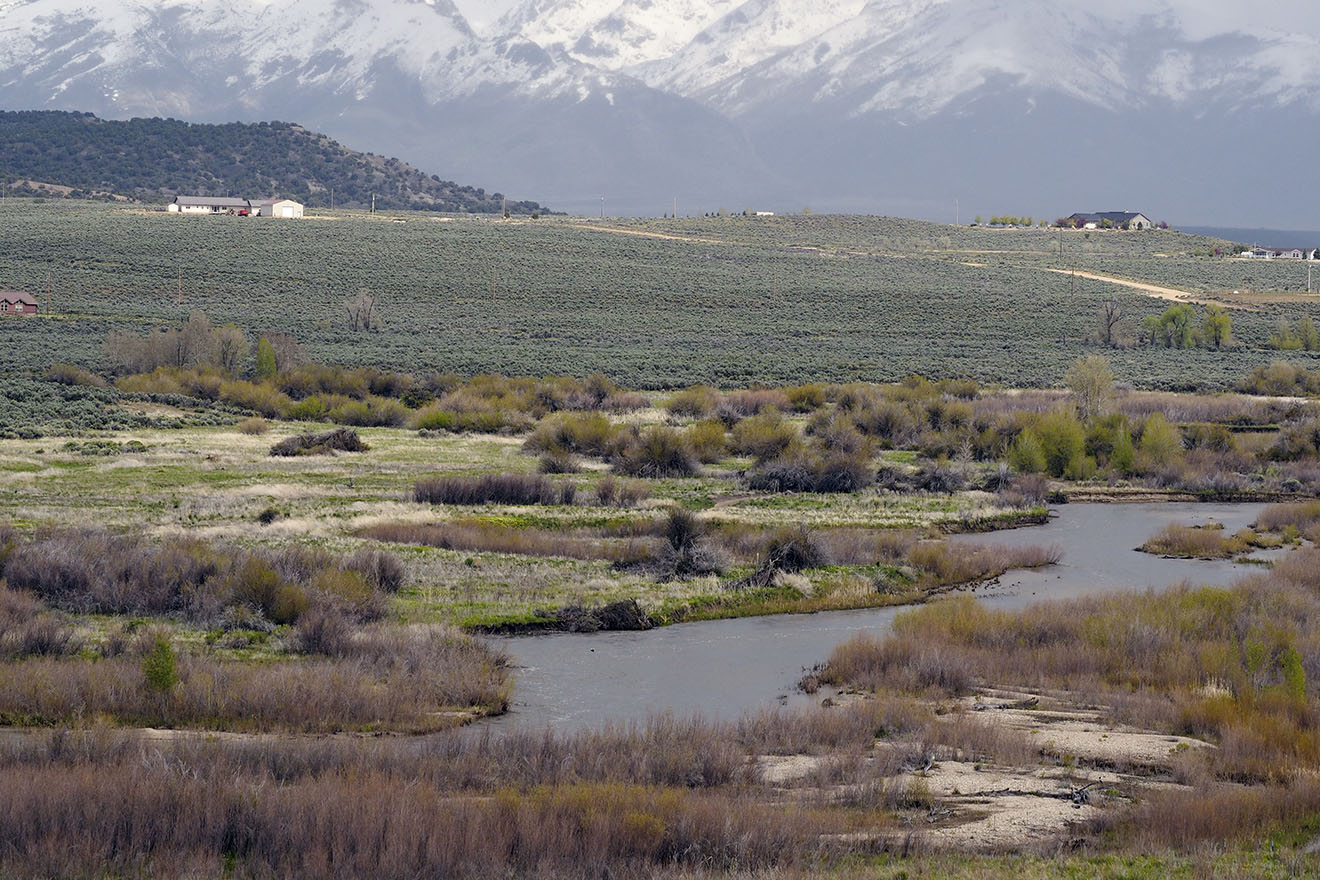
column 869, row 104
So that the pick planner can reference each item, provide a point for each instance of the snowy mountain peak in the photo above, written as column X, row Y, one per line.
column 610, row 86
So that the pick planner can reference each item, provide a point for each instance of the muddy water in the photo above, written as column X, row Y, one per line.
column 721, row 669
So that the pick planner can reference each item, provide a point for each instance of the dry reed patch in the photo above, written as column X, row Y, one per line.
column 481, row 537
column 1197, row 542
column 1277, row 517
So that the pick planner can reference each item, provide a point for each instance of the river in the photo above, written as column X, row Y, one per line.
column 722, row 669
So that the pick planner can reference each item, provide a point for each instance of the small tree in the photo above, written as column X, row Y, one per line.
column 1111, row 319
column 1175, row 326
column 1026, row 456
column 231, row 348
column 1217, row 327
column 1307, row 334
column 1161, row 444
column 1092, row 384
column 265, row 359
column 1283, row 338
column 362, row 310
column 159, row 667
column 1062, row 441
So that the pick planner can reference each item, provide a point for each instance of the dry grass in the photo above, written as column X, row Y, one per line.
column 945, row 564
column 383, row 679
column 622, row 801
column 93, row 571
column 1231, row 665
column 1301, row 516
column 494, row 489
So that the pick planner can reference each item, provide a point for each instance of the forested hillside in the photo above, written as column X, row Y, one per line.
column 156, row 159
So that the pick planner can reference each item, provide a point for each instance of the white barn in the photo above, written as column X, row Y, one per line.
column 279, row 208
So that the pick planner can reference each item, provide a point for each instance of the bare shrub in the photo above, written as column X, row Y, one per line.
column 558, row 462
column 587, row 433
column 370, row 683
column 328, row 443
column 382, row 570
column 698, row 402
column 742, row 404
column 793, row 549
column 253, row 426
column 656, row 452
column 29, row 629
column 763, row 436
column 687, row 552
column 324, row 630
column 69, row 374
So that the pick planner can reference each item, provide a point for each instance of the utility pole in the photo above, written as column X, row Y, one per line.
column 332, row 198
column 957, row 213
column 675, row 207
column 373, row 203
column 602, row 207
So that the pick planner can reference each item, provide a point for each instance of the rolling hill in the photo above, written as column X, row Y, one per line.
column 154, row 159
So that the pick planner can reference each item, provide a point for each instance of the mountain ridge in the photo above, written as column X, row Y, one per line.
column 579, row 98
column 156, row 159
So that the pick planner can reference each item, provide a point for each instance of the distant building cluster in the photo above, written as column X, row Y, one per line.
column 1262, row 253
column 1110, row 220
column 238, row 207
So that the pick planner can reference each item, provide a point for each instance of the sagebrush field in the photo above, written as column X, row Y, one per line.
column 723, row 300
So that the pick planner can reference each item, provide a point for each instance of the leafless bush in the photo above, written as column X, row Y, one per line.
column 29, row 629
column 328, row 443
column 382, row 570
column 656, row 452
column 687, row 552
column 742, row 404
column 558, row 462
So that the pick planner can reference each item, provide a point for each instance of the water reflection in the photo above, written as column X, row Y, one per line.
column 722, row 669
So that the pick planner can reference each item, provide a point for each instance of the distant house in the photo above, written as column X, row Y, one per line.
column 1261, row 253
column 278, row 208
column 209, row 205
column 1111, row 220
column 12, row 302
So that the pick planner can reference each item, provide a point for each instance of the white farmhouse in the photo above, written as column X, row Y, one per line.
column 209, row 205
